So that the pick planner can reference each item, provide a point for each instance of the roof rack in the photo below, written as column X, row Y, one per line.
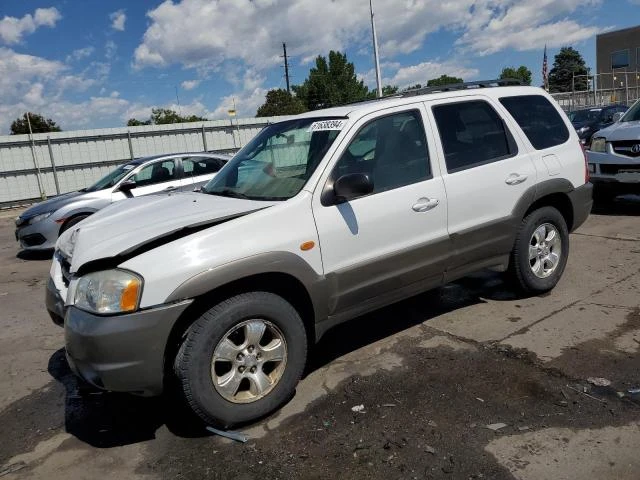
column 502, row 82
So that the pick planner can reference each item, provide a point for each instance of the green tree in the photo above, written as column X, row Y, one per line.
column 569, row 70
column 386, row 90
column 330, row 83
column 280, row 102
column 39, row 124
column 164, row 116
column 443, row 80
column 521, row 73
column 136, row 123
column 414, row 87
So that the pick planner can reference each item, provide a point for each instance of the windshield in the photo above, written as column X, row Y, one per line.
column 111, row 178
column 585, row 115
column 633, row 114
column 277, row 163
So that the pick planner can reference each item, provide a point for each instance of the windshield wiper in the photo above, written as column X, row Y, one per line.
column 229, row 193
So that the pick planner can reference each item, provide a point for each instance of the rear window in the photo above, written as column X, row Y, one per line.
column 540, row 121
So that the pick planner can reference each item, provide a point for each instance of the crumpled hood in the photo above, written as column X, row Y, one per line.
column 621, row 131
column 123, row 227
column 51, row 204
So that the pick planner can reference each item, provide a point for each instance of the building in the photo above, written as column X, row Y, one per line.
column 618, row 62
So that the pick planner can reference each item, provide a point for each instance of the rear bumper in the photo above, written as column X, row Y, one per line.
column 123, row 353
column 581, row 201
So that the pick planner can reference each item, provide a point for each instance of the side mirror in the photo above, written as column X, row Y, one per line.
column 351, row 186
column 127, row 185
column 617, row 116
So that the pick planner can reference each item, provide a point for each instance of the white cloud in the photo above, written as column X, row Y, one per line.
column 525, row 25
column 311, row 27
column 420, row 73
column 117, row 20
column 246, row 104
column 18, row 71
column 80, row 53
column 110, row 49
column 12, row 29
column 190, row 84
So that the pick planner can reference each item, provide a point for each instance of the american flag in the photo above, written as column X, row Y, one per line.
column 545, row 76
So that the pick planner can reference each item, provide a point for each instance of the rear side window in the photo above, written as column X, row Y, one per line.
column 472, row 134
column 539, row 120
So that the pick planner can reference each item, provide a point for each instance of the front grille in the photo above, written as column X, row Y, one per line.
column 614, row 169
column 65, row 267
column 626, row 147
column 33, row 240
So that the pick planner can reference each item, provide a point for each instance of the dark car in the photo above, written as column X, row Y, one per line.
column 590, row 120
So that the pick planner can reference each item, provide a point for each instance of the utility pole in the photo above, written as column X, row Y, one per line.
column 35, row 162
column 375, row 50
column 286, row 67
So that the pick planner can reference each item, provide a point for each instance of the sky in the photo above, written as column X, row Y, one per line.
column 97, row 63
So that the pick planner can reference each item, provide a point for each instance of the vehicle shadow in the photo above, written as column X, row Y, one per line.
column 35, row 254
column 106, row 419
column 627, row 205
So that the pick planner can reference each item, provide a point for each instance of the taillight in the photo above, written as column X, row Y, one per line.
column 586, row 163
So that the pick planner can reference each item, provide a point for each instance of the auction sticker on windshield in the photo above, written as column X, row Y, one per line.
column 326, row 125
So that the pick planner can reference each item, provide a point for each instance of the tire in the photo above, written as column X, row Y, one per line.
column 522, row 268
column 71, row 222
column 198, row 369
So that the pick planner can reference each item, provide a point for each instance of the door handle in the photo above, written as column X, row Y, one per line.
column 515, row 179
column 425, row 204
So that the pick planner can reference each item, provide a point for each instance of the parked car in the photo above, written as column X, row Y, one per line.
column 614, row 158
column 320, row 218
column 590, row 120
column 38, row 227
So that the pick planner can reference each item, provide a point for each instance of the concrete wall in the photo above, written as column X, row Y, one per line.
column 627, row 40
column 72, row 160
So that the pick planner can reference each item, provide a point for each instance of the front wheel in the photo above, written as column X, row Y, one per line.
column 242, row 359
column 540, row 252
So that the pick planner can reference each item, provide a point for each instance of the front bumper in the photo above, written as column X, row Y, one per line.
column 123, row 353
column 39, row 236
column 616, row 171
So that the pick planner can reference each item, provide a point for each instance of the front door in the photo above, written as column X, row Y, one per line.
column 393, row 242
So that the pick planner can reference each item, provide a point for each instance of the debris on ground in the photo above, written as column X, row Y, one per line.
column 496, row 426
column 634, row 391
column 237, row 436
column 430, row 449
column 599, row 381
column 357, row 408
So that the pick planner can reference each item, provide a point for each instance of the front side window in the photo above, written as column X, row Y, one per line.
column 157, row 172
column 472, row 134
column 277, row 163
column 391, row 149
column 538, row 119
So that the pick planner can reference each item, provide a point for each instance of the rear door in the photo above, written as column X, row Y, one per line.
column 486, row 170
column 393, row 242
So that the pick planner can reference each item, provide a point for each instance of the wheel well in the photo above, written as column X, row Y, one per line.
column 559, row 201
column 281, row 284
column 75, row 215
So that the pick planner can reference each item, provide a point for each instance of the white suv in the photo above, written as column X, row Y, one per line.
column 319, row 219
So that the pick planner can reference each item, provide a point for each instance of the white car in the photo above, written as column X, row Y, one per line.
column 38, row 227
column 319, row 219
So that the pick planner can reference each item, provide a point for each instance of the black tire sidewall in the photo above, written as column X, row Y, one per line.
column 193, row 363
column 527, row 279
column 73, row 221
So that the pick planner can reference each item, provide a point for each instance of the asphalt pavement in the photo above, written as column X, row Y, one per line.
column 467, row 381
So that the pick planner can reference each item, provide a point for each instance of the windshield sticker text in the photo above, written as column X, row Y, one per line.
column 326, row 125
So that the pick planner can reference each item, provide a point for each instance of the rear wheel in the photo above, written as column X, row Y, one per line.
column 242, row 359
column 540, row 252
